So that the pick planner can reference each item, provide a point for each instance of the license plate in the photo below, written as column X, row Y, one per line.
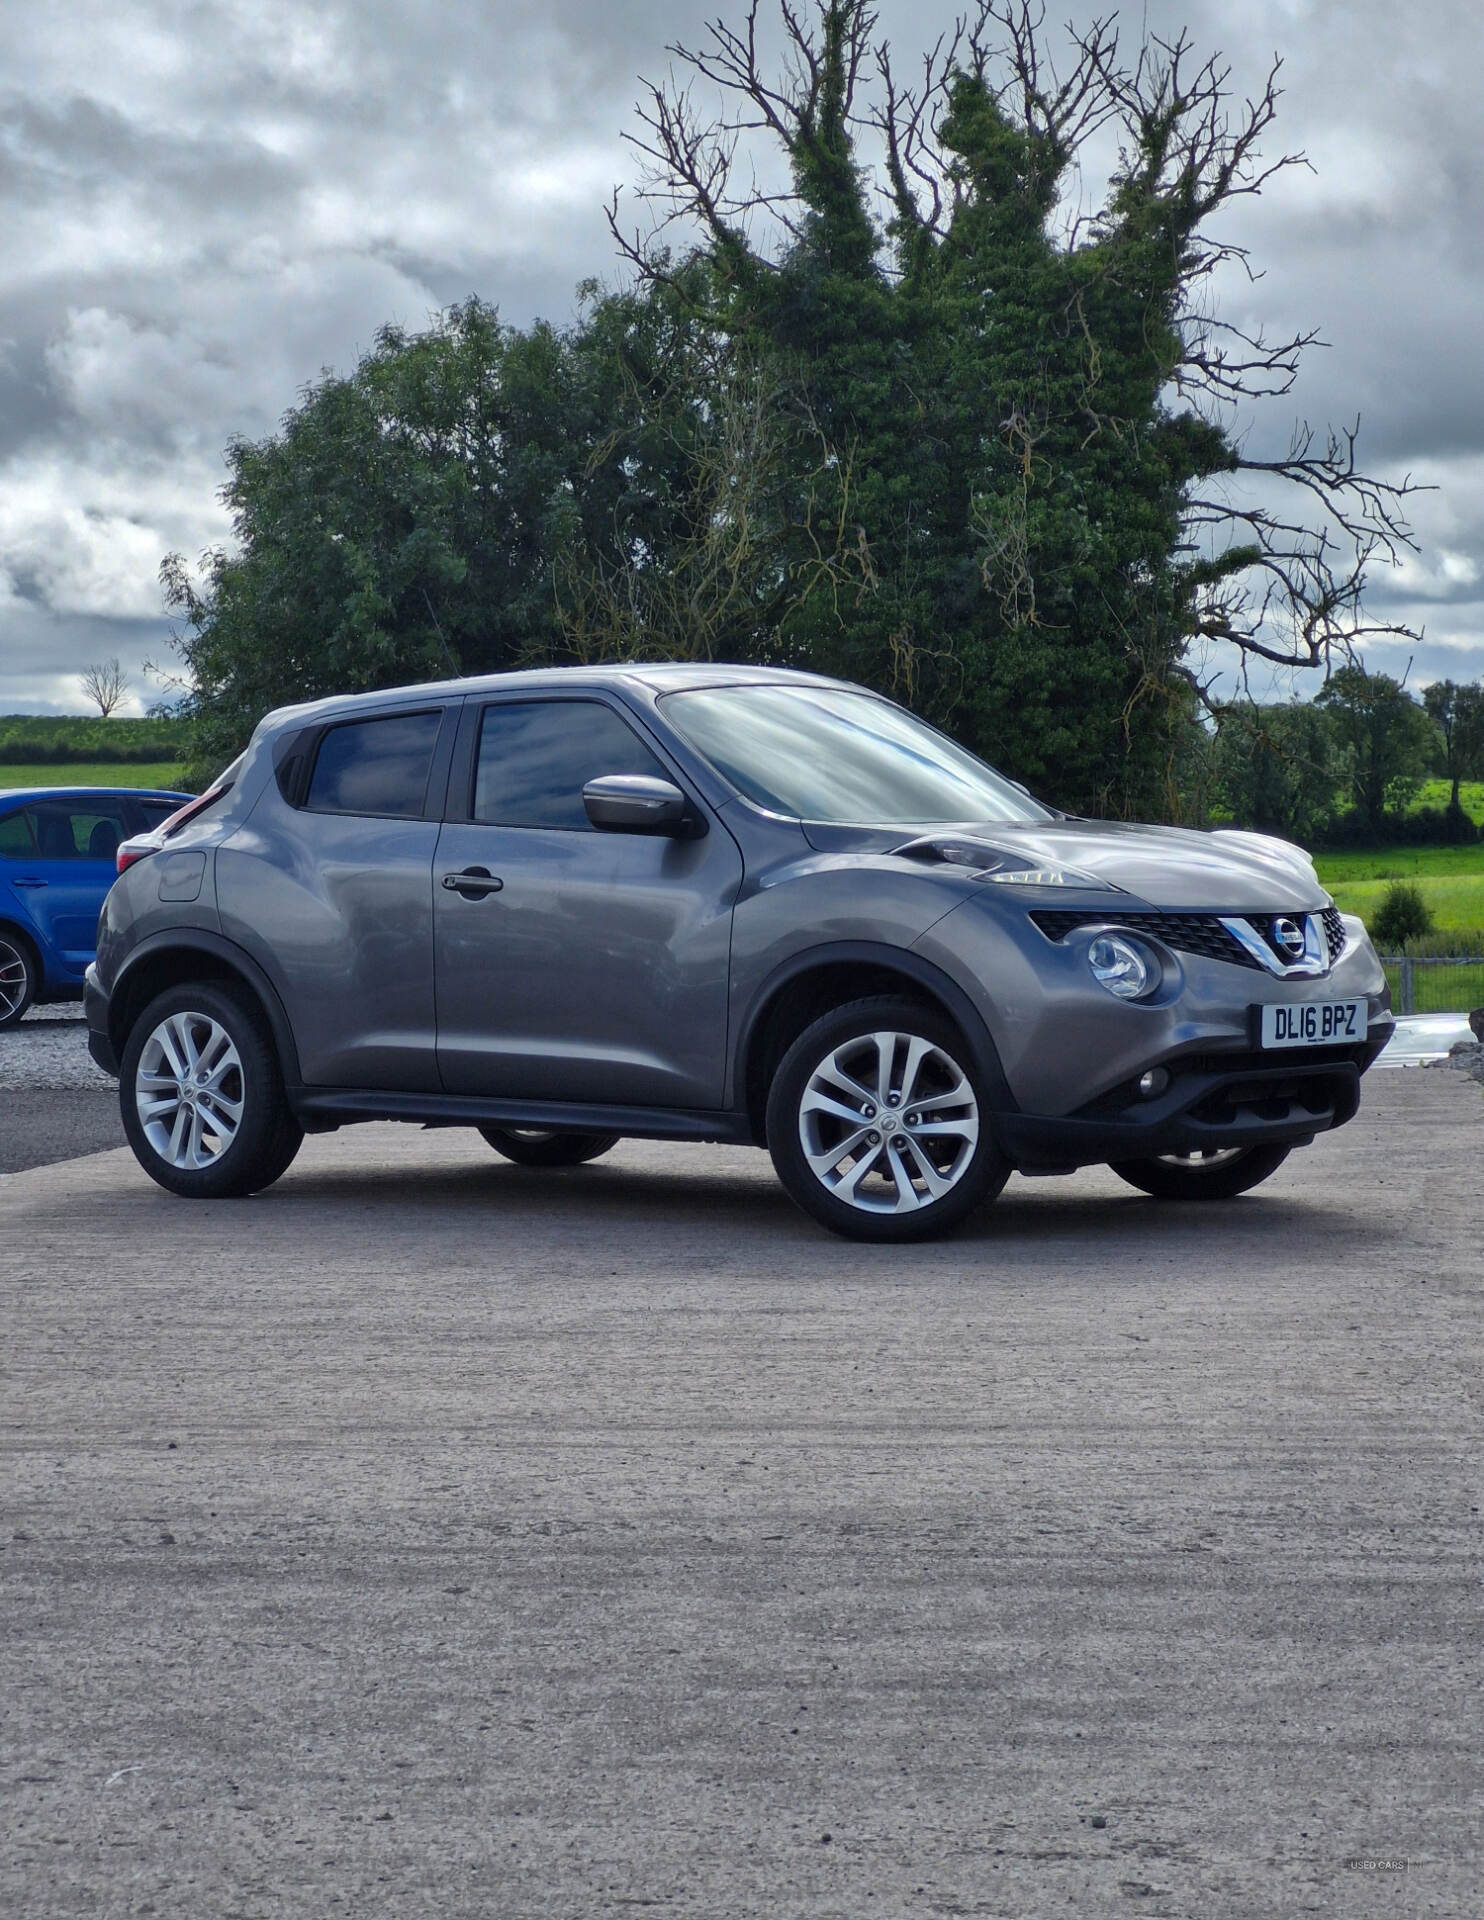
column 1314, row 1023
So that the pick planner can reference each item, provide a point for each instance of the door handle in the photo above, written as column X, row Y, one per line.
column 30, row 883
column 472, row 884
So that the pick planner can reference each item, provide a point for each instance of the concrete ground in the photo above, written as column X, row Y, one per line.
column 434, row 1537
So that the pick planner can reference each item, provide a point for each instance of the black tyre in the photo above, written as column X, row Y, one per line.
column 1220, row 1175
column 878, row 1124
column 201, row 1093
column 543, row 1147
column 17, row 976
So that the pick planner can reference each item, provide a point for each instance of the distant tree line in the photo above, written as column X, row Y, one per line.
column 872, row 400
column 1348, row 765
column 30, row 740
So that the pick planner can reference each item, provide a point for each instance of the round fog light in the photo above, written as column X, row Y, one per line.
column 1118, row 965
column 1153, row 1083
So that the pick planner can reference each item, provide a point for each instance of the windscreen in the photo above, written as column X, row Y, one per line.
column 844, row 758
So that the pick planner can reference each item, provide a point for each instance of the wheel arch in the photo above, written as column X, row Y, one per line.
column 12, row 929
column 809, row 984
column 30, row 949
column 171, row 960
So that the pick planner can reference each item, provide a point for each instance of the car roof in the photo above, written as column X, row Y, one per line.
column 10, row 795
column 655, row 676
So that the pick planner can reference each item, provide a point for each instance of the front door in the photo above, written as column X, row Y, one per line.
column 597, row 969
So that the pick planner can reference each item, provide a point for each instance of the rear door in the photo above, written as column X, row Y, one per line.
column 76, row 838
column 597, row 969
column 329, row 885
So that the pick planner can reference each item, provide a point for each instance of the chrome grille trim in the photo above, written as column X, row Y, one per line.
column 1313, row 962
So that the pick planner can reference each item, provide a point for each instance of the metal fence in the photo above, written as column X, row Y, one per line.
column 1434, row 986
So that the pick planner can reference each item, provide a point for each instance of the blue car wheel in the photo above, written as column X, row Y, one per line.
column 17, row 977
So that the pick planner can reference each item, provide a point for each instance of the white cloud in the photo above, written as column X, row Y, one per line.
column 86, row 536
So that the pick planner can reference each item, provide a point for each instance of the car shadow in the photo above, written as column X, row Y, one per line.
column 1028, row 1216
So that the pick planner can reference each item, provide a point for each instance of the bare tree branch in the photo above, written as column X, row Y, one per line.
column 106, row 684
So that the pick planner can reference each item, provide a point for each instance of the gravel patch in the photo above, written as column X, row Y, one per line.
column 50, row 1049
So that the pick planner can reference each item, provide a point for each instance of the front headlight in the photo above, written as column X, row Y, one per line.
column 1050, row 877
column 1118, row 965
column 991, row 863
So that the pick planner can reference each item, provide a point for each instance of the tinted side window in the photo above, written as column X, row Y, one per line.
column 376, row 766
column 78, row 830
column 15, row 838
column 155, row 811
column 536, row 757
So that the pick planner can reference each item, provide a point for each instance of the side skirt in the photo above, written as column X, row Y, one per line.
column 322, row 1109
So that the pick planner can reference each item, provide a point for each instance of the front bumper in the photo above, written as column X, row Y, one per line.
column 1072, row 1055
column 1213, row 1102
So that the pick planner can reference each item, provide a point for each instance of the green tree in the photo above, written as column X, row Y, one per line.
column 474, row 497
column 1028, row 411
column 1386, row 738
column 1279, row 768
column 399, row 525
column 1458, row 714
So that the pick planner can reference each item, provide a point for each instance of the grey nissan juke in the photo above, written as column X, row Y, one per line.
column 714, row 903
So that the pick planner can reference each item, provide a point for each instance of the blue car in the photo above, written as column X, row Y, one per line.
column 58, row 858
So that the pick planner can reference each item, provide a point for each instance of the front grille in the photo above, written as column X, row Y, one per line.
column 1200, row 933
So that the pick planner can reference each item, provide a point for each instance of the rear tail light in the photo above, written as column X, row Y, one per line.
column 144, row 844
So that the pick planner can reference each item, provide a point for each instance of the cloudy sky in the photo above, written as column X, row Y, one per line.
column 204, row 205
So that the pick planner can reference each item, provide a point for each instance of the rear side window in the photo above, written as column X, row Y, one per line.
column 78, row 829
column 535, row 757
column 376, row 766
column 15, row 838
column 156, row 812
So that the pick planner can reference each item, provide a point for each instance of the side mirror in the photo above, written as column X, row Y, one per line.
column 638, row 803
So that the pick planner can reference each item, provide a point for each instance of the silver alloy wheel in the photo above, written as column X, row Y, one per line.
column 14, row 976
column 1200, row 1160
column 895, row 1107
column 188, row 1090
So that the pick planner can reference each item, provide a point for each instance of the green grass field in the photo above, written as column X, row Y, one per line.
column 100, row 773
column 1451, row 881
column 1399, row 863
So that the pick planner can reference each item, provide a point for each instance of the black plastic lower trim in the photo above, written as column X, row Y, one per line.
column 95, row 1012
column 1202, row 1112
column 343, row 1106
column 103, row 1054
